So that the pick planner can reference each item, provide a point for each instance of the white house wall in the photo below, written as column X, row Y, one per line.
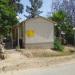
column 44, row 31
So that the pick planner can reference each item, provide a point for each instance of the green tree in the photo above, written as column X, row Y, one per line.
column 63, row 24
column 33, row 10
column 7, row 17
column 58, row 16
column 8, row 12
column 17, row 6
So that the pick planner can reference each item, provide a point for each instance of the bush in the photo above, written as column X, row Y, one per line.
column 57, row 45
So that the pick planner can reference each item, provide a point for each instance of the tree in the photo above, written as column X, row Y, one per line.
column 63, row 24
column 58, row 16
column 8, row 12
column 68, row 6
column 7, row 17
column 18, row 7
column 33, row 10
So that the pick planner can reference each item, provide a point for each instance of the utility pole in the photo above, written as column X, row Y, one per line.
column 18, row 44
column 74, row 35
column 18, row 37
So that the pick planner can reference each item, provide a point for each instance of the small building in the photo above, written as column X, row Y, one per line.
column 34, row 33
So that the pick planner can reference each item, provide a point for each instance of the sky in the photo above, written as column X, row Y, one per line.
column 46, row 8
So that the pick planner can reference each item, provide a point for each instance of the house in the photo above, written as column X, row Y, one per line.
column 34, row 33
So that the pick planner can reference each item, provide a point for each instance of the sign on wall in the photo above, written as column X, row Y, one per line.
column 30, row 33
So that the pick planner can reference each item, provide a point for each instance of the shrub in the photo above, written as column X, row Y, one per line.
column 57, row 45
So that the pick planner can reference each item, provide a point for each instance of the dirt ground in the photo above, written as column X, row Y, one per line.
column 24, row 59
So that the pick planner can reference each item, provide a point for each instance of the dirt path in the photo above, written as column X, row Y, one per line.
column 16, row 61
column 64, row 68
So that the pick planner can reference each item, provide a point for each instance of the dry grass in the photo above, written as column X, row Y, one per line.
column 46, row 52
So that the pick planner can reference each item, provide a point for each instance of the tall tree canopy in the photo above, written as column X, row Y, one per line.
column 33, row 10
column 68, row 6
column 7, row 15
column 58, row 16
column 63, row 24
column 18, row 7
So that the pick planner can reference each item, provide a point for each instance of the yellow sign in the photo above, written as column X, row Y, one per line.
column 30, row 33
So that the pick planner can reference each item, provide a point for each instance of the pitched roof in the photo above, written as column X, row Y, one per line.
column 34, row 19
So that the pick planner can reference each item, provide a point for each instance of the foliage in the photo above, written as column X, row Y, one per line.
column 58, row 16
column 7, row 17
column 57, row 45
column 63, row 24
column 18, row 7
column 66, row 5
column 33, row 10
column 8, row 12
